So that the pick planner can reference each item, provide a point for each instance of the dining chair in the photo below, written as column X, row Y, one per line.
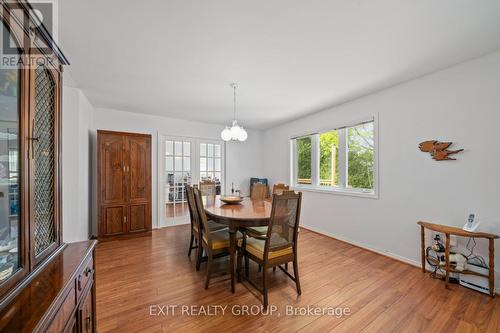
column 215, row 243
column 207, row 187
column 195, row 226
column 278, row 246
column 259, row 191
column 279, row 188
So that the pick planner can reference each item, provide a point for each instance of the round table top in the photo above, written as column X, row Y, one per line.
column 256, row 212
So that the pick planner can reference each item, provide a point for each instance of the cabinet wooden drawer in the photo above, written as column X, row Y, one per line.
column 66, row 310
column 85, row 276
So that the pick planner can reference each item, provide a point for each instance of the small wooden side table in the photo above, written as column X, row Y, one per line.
column 448, row 231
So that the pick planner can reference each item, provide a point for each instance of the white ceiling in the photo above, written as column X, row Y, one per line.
column 290, row 57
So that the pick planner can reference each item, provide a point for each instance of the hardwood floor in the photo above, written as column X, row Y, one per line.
column 135, row 276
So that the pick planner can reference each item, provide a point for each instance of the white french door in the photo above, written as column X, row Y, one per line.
column 185, row 161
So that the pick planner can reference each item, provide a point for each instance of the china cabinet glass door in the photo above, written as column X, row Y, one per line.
column 10, row 230
column 43, row 139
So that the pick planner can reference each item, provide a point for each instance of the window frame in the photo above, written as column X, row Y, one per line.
column 342, row 189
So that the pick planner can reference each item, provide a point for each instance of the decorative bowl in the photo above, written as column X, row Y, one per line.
column 231, row 200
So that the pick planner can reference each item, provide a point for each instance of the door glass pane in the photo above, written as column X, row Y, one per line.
column 187, row 149
column 203, row 164
column 178, row 148
column 178, row 176
column 203, row 149
column 210, row 164
column 178, row 163
column 217, row 164
column 187, row 164
column 169, row 163
column 169, row 147
column 9, row 172
column 217, row 150
column 43, row 152
column 210, row 150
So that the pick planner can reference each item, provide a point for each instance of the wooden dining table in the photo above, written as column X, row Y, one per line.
column 248, row 213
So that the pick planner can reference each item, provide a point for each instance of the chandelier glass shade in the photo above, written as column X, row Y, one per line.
column 235, row 132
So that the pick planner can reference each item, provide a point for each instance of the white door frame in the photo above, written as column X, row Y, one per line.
column 163, row 221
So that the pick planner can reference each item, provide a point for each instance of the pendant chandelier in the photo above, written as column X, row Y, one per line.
column 235, row 132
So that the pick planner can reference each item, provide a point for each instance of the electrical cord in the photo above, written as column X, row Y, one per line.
column 474, row 257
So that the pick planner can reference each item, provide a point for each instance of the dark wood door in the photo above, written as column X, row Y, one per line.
column 139, row 183
column 86, row 320
column 112, row 169
column 114, row 220
column 139, row 217
column 124, row 186
column 138, row 168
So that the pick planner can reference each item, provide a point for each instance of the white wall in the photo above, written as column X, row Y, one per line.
column 460, row 104
column 77, row 119
column 243, row 159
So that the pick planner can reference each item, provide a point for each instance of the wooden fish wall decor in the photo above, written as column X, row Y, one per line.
column 438, row 150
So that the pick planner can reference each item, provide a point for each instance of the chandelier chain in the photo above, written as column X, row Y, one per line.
column 234, row 100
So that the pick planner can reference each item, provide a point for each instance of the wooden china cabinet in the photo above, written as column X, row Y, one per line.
column 45, row 285
column 124, row 183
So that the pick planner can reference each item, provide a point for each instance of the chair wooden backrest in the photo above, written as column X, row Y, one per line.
column 204, row 230
column 207, row 187
column 193, row 213
column 259, row 191
column 279, row 188
column 284, row 222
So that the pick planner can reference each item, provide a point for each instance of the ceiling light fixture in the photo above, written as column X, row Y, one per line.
column 235, row 132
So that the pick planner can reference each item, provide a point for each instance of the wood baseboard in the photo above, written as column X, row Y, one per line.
column 124, row 236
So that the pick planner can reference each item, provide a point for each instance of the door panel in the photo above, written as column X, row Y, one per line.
column 112, row 169
column 138, row 217
column 86, row 318
column 114, row 220
column 139, row 152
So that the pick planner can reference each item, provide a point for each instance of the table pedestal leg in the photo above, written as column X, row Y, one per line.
column 232, row 252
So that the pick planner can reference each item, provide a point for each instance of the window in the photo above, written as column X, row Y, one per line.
column 304, row 160
column 341, row 160
column 360, row 156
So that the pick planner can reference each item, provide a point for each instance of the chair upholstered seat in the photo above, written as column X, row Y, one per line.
column 220, row 239
column 213, row 226
column 258, row 230
column 256, row 247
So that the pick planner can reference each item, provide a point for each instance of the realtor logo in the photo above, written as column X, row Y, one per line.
column 44, row 21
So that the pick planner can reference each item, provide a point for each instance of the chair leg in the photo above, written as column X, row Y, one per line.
column 247, row 267
column 238, row 265
column 274, row 269
column 286, row 266
column 264, row 287
column 191, row 244
column 199, row 256
column 209, row 270
column 296, row 274
column 260, row 268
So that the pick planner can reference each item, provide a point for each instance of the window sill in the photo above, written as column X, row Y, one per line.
column 337, row 191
